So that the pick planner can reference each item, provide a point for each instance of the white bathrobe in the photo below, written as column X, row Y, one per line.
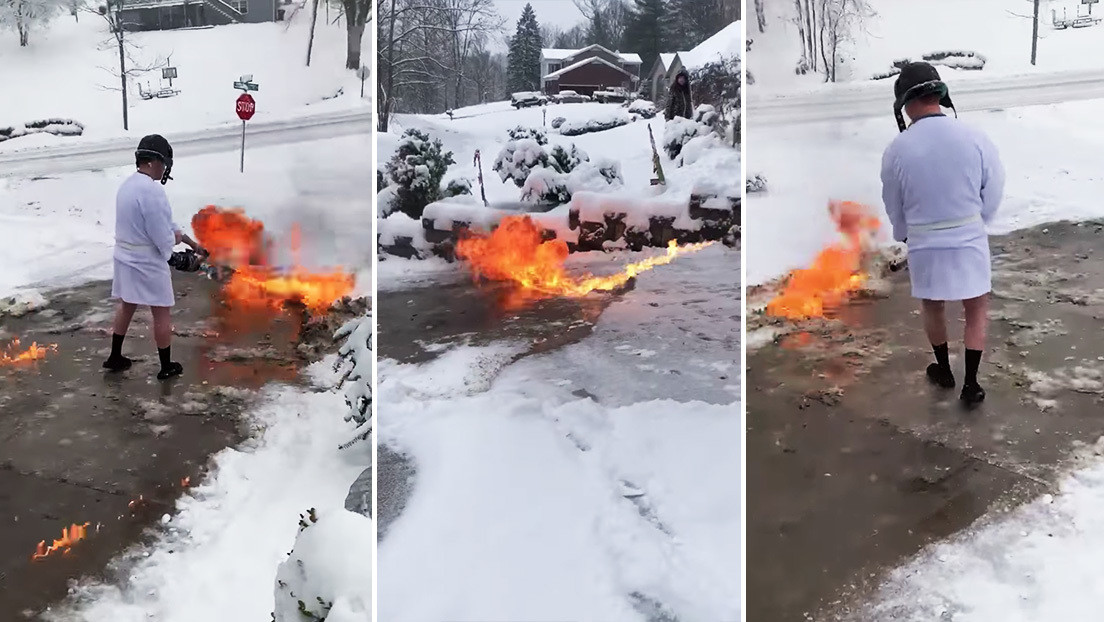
column 942, row 183
column 144, row 238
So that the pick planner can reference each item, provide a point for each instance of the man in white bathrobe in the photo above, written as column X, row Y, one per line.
column 144, row 238
column 942, row 182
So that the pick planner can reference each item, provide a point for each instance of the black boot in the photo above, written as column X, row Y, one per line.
column 972, row 393
column 116, row 361
column 169, row 368
column 939, row 372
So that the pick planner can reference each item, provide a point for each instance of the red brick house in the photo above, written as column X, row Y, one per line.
column 593, row 68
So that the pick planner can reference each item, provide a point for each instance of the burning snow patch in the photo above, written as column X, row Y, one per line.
column 69, row 536
column 517, row 252
column 237, row 241
column 13, row 354
column 837, row 272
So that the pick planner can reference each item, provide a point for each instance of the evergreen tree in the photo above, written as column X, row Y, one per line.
column 523, row 58
column 694, row 21
column 648, row 30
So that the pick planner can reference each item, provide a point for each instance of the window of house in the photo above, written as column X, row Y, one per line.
column 553, row 67
column 241, row 6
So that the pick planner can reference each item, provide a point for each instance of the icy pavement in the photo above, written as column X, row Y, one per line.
column 576, row 481
column 857, row 464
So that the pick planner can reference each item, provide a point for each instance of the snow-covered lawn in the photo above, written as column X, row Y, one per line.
column 60, row 74
column 60, row 230
column 531, row 502
column 999, row 30
column 1036, row 562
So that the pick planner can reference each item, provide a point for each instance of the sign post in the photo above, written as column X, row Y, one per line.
column 1090, row 3
column 245, row 107
column 363, row 74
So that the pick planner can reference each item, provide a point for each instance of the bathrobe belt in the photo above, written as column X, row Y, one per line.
column 944, row 224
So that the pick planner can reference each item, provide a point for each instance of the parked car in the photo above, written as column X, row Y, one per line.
column 615, row 95
column 527, row 99
column 569, row 97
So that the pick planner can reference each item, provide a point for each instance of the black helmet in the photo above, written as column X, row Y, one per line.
column 156, row 147
column 916, row 80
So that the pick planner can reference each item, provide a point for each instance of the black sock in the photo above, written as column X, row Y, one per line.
column 166, row 356
column 973, row 360
column 117, row 345
column 941, row 356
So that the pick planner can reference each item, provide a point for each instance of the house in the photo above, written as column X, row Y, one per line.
column 724, row 44
column 170, row 14
column 593, row 68
column 663, row 72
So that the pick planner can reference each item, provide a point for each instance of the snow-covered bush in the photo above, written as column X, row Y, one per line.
column 957, row 59
column 551, row 187
column 589, row 126
column 717, row 84
column 416, row 171
column 557, row 122
column 327, row 577
column 705, row 114
column 696, row 147
column 355, row 362
column 537, row 134
column 679, row 131
column 564, row 160
column 457, row 187
column 518, row 158
column 643, row 107
column 57, row 127
column 755, row 184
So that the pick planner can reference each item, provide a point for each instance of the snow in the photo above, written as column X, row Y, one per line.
column 60, row 75
column 218, row 556
column 531, row 502
column 327, row 570
column 727, row 43
column 60, row 230
column 586, row 61
column 997, row 29
column 561, row 54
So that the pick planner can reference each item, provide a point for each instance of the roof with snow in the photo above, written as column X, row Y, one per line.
column 667, row 59
column 561, row 54
column 725, row 44
column 586, row 61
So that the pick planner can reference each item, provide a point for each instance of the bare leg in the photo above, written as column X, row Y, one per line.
column 123, row 315
column 162, row 326
column 977, row 321
column 935, row 321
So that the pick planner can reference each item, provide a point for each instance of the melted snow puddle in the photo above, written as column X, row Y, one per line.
column 219, row 554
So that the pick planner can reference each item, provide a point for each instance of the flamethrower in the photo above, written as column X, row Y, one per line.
column 191, row 261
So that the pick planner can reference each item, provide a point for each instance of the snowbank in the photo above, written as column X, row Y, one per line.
column 329, row 571
column 637, row 212
column 598, row 123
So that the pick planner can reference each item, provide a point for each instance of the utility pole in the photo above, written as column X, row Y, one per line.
column 1035, row 34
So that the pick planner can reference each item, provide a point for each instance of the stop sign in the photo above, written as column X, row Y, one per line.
column 245, row 106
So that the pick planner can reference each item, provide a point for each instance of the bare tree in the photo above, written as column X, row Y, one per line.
column 468, row 23
column 314, row 20
column 760, row 15
column 838, row 23
column 112, row 14
column 26, row 15
column 357, row 15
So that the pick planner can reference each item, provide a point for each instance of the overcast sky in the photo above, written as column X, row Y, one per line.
column 560, row 13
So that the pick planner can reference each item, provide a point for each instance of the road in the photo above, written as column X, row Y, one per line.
column 848, row 102
column 88, row 155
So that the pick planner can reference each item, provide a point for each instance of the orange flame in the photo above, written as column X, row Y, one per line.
column 186, row 481
column 69, row 536
column 12, row 355
column 515, row 251
column 837, row 270
column 234, row 239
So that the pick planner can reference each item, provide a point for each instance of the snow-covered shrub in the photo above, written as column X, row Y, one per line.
column 564, row 160
column 643, row 107
column 755, row 184
column 457, row 187
column 328, row 574
column 717, row 84
column 679, row 131
column 957, row 59
column 537, row 134
column 551, row 187
column 696, row 147
column 705, row 114
column 59, row 127
column 416, row 170
column 589, row 126
column 557, row 122
column 381, row 180
column 355, row 361
column 403, row 236
column 519, row 157
column 387, row 201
